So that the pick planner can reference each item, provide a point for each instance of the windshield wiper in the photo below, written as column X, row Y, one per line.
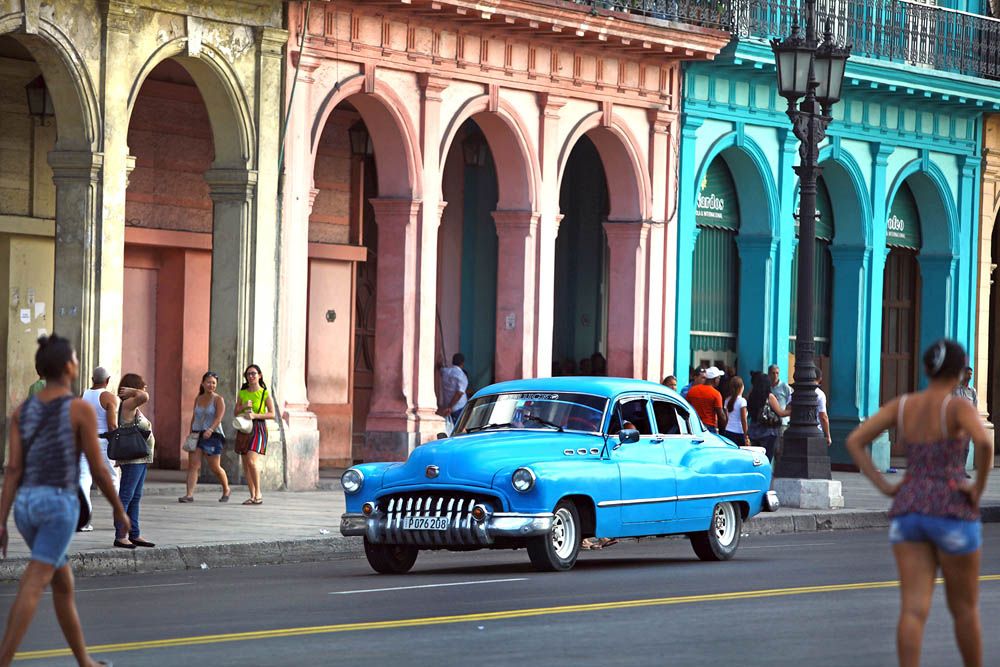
column 486, row 426
column 543, row 422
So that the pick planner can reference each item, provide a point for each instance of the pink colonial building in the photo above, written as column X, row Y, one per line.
column 494, row 178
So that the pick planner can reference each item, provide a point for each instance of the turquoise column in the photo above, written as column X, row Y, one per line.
column 687, row 235
column 783, row 279
column 968, row 217
column 757, row 257
column 871, row 370
column 847, row 344
column 938, row 275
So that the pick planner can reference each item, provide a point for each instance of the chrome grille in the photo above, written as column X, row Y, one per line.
column 462, row 530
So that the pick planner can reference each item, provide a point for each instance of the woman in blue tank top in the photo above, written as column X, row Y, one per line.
column 41, row 482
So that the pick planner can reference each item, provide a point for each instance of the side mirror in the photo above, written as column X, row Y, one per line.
column 627, row 436
column 442, row 436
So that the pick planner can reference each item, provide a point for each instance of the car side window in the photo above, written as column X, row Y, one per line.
column 670, row 419
column 635, row 411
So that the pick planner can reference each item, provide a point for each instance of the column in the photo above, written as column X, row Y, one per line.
column 548, row 230
column 114, row 181
column 231, row 324
column 291, row 289
column 517, row 241
column 846, row 407
column 781, row 316
column 871, row 367
column 627, row 296
column 983, row 365
column 757, row 255
column 391, row 433
column 687, row 235
column 968, row 204
column 937, row 298
column 79, row 259
column 662, row 269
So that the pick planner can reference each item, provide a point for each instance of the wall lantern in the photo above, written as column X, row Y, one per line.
column 39, row 100
column 361, row 141
column 474, row 150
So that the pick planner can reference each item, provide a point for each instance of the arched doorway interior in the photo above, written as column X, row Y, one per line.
column 467, row 256
column 716, row 270
column 579, row 339
column 901, row 296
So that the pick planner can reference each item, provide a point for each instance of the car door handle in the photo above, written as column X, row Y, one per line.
column 656, row 441
column 697, row 441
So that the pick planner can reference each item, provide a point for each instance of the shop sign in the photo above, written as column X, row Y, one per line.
column 902, row 229
column 717, row 205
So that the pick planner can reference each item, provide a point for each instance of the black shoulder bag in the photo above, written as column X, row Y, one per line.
column 48, row 411
column 128, row 442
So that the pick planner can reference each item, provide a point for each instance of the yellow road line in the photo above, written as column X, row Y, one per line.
column 468, row 618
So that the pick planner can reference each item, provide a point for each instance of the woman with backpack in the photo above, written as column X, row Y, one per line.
column 764, row 414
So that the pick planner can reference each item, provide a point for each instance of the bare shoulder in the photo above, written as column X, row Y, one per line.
column 81, row 411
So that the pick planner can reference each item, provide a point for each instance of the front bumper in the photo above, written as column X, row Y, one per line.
column 382, row 528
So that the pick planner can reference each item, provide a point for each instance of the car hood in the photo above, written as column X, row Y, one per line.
column 476, row 458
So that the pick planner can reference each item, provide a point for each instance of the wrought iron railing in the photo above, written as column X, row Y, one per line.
column 903, row 31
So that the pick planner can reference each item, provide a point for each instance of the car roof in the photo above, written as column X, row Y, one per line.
column 608, row 387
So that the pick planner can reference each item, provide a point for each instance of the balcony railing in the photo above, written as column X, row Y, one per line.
column 912, row 33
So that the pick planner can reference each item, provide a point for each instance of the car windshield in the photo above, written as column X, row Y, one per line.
column 554, row 411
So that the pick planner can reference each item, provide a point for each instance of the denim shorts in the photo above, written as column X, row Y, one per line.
column 46, row 517
column 212, row 446
column 954, row 537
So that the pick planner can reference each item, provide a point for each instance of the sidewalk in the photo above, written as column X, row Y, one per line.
column 303, row 527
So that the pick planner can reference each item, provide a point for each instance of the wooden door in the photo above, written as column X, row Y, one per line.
column 900, row 326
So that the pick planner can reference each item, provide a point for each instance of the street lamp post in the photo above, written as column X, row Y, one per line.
column 814, row 74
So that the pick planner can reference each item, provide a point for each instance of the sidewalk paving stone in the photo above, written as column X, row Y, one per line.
column 305, row 526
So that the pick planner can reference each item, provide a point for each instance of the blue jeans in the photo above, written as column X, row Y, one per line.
column 46, row 517
column 951, row 536
column 130, row 493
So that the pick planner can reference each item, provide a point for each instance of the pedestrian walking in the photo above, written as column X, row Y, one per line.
column 670, row 382
column 206, row 428
column 41, row 480
column 822, row 416
column 964, row 390
column 36, row 386
column 132, row 393
column 707, row 401
column 736, row 428
column 764, row 414
column 105, row 406
column 697, row 377
column 934, row 517
column 255, row 403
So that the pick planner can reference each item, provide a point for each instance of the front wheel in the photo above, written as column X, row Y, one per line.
column 557, row 551
column 390, row 558
column 722, row 538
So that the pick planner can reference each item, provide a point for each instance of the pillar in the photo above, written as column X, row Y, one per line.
column 687, row 236
column 627, row 297
column 78, row 257
column 548, row 229
column 517, row 241
column 784, row 278
column 757, row 256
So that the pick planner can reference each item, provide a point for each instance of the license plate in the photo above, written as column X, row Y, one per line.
column 425, row 523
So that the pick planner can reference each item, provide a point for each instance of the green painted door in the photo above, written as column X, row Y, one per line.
column 716, row 270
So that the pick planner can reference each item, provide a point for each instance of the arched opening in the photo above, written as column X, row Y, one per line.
column 40, row 113
column 579, row 342
column 467, row 257
column 343, row 285
column 715, row 299
column 901, row 299
column 823, row 281
column 168, row 251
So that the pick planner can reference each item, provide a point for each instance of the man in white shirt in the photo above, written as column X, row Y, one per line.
column 454, row 383
column 105, row 405
column 824, row 418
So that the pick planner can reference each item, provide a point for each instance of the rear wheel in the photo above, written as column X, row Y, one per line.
column 557, row 551
column 722, row 538
column 390, row 558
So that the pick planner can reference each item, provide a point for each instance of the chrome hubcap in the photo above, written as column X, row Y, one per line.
column 563, row 533
column 724, row 524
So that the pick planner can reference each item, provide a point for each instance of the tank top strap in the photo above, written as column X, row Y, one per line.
column 944, row 416
column 899, row 418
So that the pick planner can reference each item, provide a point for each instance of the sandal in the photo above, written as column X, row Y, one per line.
column 224, row 499
column 258, row 501
column 248, row 501
column 186, row 499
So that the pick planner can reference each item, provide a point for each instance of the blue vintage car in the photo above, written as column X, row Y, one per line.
column 543, row 463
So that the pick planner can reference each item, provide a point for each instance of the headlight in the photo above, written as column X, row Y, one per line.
column 351, row 480
column 523, row 480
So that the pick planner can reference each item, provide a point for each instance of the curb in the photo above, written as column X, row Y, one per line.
column 312, row 550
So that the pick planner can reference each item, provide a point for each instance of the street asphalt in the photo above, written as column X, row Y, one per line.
column 820, row 598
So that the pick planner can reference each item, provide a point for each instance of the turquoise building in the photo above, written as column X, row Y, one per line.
column 899, row 200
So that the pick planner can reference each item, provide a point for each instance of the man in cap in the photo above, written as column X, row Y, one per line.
column 105, row 404
column 707, row 401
